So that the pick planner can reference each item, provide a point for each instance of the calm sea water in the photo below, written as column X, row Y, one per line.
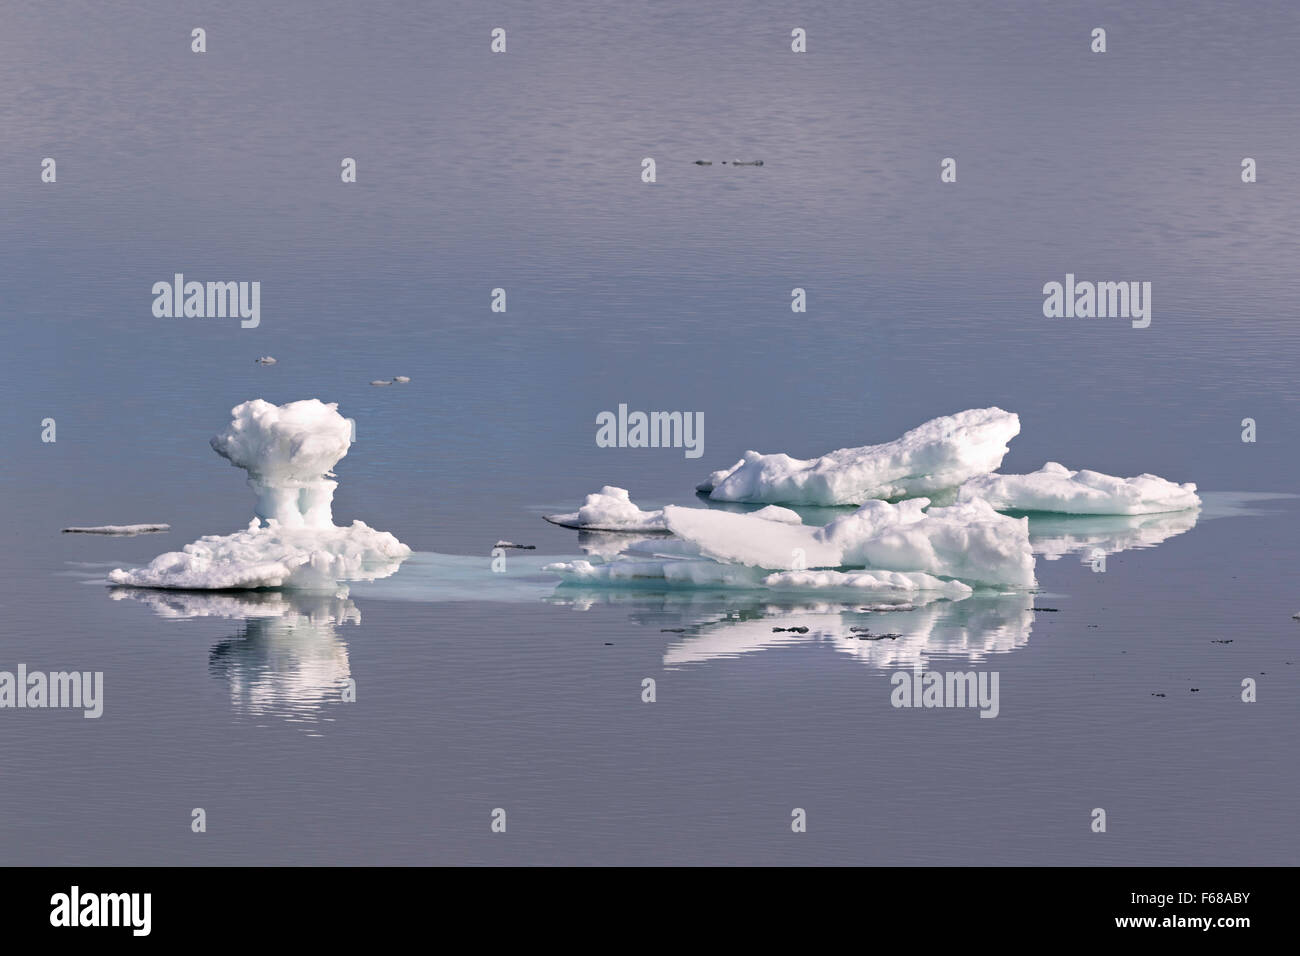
column 522, row 171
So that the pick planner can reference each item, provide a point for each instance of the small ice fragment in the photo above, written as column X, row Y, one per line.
column 382, row 381
column 777, row 513
column 933, row 457
column 610, row 509
column 265, row 360
column 401, row 379
column 1055, row 488
column 120, row 529
column 511, row 544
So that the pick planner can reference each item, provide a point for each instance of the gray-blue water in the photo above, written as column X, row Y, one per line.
column 523, row 171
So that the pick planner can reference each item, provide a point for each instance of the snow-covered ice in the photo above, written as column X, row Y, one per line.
column 892, row 546
column 610, row 509
column 934, row 457
column 288, row 452
column 968, row 541
column 1056, row 488
column 273, row 556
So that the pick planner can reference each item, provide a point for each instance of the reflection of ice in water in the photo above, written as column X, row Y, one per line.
column 610, row 544
column 970, row 630
column 288, row 661
column 1054, row 536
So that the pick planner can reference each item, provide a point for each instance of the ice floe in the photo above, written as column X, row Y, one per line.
column 288, row 452
column 934, row 457
column 892, row 547
column 120, row 529
column 610, row 509
column 1056, row 488
column 968, row 541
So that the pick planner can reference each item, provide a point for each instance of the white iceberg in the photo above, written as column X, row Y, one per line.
column 288, row 452
column 931, row 458
column 893, row 546
column 968, row 541
column 1056, row 488
column 610, row 509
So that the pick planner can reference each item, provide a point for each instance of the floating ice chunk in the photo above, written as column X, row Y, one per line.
column 777, row 513
column 610, row 509
column 968, row 541
column 273, row 556
column 1058, row 489
column 288, row 451
column 382, row 381
column 747, row 539
column 936, row 456
column 265, row 360
column 401, row 379
column 120, row 529
column 900, row 546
